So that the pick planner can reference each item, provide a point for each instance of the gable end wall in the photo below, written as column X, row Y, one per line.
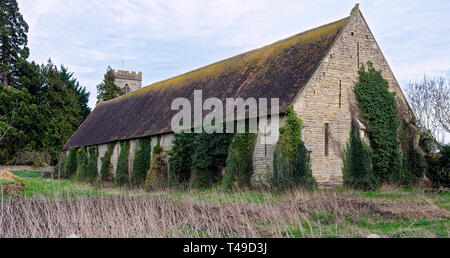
column 318, row 103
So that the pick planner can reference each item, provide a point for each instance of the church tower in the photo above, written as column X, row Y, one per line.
column 128, row 81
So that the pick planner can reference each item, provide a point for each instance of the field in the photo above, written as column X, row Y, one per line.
column 50, row 208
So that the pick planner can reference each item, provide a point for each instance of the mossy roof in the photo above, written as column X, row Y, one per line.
column 279, row 70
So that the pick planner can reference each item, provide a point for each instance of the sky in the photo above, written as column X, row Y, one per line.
column 164, row 38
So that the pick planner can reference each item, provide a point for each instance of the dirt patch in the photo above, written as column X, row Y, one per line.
column 13, row 188
column 7, row 175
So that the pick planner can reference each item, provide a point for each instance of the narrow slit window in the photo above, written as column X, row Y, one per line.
column 340, row 94
column 327, row 128
column 265, row 149
column 357, row 53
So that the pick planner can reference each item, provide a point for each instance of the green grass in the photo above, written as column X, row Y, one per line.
column 28, row 174
column 326, row 226
column 37, row 187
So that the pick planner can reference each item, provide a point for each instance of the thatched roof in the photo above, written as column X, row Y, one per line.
column 279, row 70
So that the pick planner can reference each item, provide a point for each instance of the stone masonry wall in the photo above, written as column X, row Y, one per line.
column 165, row 142
column 101, row 155
column 263, row 160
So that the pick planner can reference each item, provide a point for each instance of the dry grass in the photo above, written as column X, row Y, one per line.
column 297, row 214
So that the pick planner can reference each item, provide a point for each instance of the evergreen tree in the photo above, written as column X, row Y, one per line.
column 60, row 108
column 13, row 39
column 107, row 89
column 17, row 123
column 291, row 158
column 83, row 95
column 358, row 172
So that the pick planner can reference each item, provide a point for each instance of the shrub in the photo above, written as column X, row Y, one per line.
column 358, row 172
column 33, row 158
column 438, row 168
column 180, row 158
column 291, row 158
column 379, row 110
column 106, row 163
column 81, row 164
column 91, row 168
column 142, row 159
column 239, row 162
column 205, row 178
column 71, row 164
column 157, row 175
column 412, row 159
column 122, row 176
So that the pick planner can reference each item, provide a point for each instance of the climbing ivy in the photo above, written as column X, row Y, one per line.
column 71, row 164
column 180, row 158
column 239, row 162
column 358, row 172
column 141, row 163
column 91, row 168
column 379, row 110
column 291, row 159
column 106, row 163
column 122, row 175
column 157, row 175
column 80, row 173
column 413, row 159
column 209, row 156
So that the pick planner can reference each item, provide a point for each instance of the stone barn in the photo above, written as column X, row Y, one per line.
column 314, row 72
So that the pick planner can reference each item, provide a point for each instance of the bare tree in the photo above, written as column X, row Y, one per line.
column 430, row 101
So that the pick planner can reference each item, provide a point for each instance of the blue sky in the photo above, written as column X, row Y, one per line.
column 164, row 38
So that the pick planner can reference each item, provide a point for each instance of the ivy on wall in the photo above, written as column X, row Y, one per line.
column 80, row 173
column 106, row 163
column 240, row 161
column 379, row 110
column 209, row 156
column 142, row 159
column 71, row 164
column 413, row 159
column 291, row 160
column 122, row 174
column 180, row 158
column 91, row 167
column 157, row 175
